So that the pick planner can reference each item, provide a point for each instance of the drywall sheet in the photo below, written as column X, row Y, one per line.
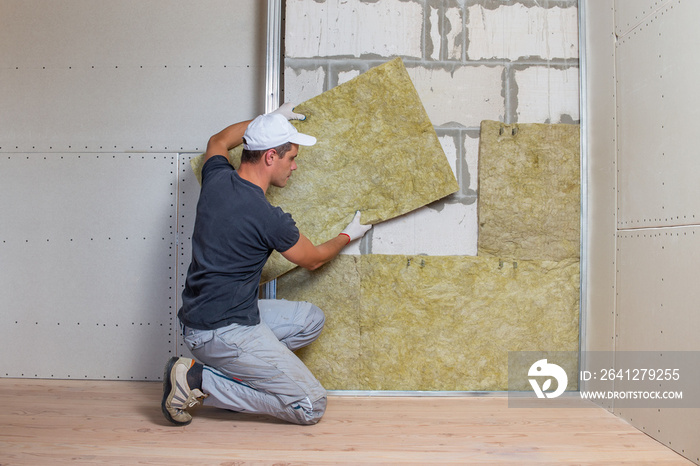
column 128, row 75
column 630, row 13
column 434, row 323
column 529, row 191
column 599, row 133
column 657, row 289
column 377, row 152
column 87, row 265
column 641, row 122
column 657, row 296
column 188, row 196
column 656, row 120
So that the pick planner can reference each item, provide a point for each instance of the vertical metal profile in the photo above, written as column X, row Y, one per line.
column 272, row 83
column 583, row 106
column 274, row 53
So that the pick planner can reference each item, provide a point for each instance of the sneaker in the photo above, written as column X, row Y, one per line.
column 177, row 395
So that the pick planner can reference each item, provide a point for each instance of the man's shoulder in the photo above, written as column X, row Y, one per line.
column 216, row 159
column 216, row 162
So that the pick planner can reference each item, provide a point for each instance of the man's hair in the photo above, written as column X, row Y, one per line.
column 253, row 156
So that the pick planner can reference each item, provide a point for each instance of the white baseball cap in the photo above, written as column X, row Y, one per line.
column 272, row 130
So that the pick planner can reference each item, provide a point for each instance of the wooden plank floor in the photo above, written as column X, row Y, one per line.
column 87, row 422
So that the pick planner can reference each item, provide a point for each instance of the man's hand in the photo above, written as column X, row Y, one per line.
column 311, row 257
column 355, row 229
column 287, row 111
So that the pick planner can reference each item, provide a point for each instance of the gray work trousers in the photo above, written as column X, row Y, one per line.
column 252, row 369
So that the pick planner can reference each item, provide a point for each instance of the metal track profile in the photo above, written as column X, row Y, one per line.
column 274, row 54
column 272, row 83
column 583, row 102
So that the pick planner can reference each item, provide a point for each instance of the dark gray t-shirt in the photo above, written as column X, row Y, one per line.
column 235, row 231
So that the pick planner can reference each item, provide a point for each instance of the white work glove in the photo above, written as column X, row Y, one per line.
column 287, row 111
column 355, row 229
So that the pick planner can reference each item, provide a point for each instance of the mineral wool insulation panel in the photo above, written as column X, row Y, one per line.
column 346, row 169
column 433, row 322
column 87, row 247
column 464, row 313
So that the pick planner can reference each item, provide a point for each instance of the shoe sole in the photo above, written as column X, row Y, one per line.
column 167, row 392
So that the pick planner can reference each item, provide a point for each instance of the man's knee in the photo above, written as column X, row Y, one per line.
column 316, row 319
column 312, row 414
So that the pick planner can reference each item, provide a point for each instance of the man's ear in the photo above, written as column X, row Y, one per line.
column 269, row 156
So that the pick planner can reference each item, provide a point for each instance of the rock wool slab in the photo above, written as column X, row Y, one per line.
column 335, row 357
column 377, row 152
column 434, row 323
column 529, row 191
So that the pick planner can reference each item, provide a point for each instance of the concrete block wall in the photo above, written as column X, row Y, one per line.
column 513, row 61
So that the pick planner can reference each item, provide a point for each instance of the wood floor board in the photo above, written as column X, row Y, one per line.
column 105, row 422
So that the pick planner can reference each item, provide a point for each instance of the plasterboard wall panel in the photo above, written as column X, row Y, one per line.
column 674, row 428
column 68, row 349
column 88, row 88
column 658, row 310
column 126, row 32
column 654, row 267
column 629, row 13
column 188, row 196
column 599, row 164
column 656, row 150
column 658, row 296
column 87, row 246
column 126, row 108
column 127, row 75
column 78, row 197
